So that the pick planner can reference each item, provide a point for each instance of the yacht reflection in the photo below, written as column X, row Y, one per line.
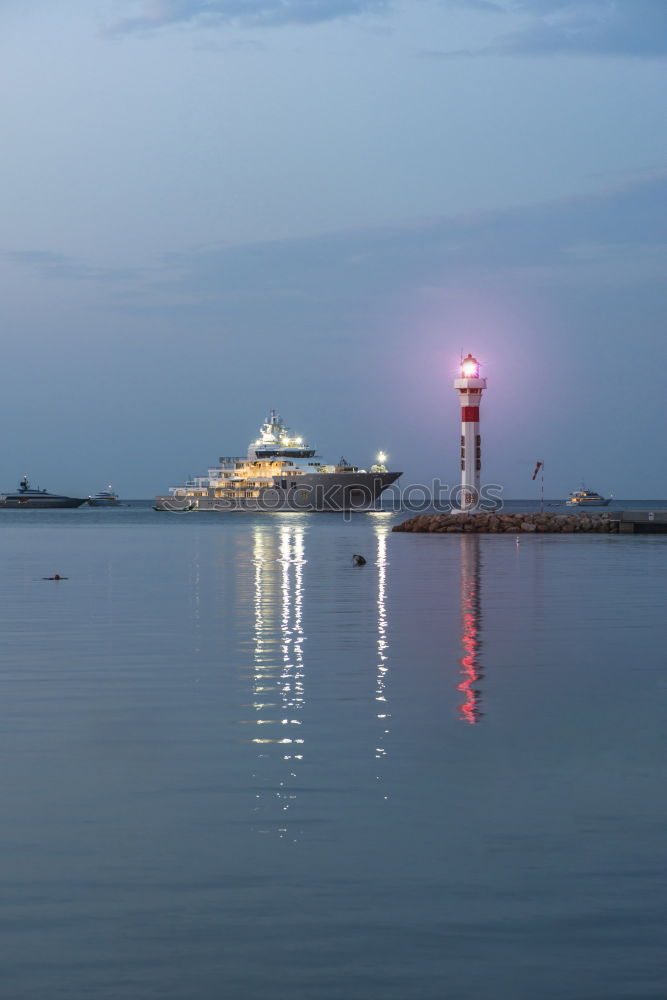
column 471, row 618
column 382, row 672
column 278, row 674
column 291, row 625
column 279, row 671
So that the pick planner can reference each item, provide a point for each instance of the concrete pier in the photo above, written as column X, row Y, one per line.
column 640, row 522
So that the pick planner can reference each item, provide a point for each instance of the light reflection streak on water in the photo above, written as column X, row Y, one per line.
column 260, row 679
column 381, row 679
column 291, row 686
column 278, row 687
column 469, row 710
column 196, row 591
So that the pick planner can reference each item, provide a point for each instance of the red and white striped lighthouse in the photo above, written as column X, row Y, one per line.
column 470, row 388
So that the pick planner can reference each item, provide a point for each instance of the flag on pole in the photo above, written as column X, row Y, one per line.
column 539, row 466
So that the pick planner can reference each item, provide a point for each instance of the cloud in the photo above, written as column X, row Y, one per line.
column 610, row 240
column 60, row 266
column 592, row 27
column 603, row 27
column 155, row 14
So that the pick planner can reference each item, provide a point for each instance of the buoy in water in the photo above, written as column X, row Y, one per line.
column 358, row 560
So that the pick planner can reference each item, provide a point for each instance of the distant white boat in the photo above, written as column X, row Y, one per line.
column 587, row 498
column 105, row 498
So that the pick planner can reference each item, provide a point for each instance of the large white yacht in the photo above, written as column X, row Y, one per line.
column 280, row 472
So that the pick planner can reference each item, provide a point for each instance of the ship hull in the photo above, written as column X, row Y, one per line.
column 309, row 493
column 588, row 503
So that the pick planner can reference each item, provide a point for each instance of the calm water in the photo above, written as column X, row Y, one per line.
column 236, row 766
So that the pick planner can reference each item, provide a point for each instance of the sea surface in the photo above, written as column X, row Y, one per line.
column 235, row 765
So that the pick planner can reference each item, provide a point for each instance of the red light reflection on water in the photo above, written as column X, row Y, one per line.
column 469, row 709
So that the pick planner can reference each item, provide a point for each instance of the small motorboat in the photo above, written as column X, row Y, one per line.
column 27, row 498
column 587, row 498
column 105, row 498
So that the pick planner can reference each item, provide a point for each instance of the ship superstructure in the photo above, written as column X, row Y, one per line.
column 280, row 472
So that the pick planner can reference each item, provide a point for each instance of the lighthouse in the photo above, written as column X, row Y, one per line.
column 470, row 388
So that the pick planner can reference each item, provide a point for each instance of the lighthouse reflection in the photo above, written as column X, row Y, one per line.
column 471, row 618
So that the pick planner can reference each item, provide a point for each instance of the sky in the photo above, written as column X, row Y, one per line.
column 210, row 208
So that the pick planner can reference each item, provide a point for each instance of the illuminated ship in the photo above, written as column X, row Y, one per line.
column 586, row 498
column 27, row 498
column 281, row 473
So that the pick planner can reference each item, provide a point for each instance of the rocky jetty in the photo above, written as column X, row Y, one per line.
column 515, row 524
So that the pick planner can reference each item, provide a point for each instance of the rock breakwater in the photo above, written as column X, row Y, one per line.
column 501, row 523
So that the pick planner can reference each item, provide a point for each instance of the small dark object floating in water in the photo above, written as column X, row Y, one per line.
column 358, row 560
column 56, row 576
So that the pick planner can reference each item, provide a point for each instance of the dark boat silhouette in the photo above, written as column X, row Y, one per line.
column 27, row 498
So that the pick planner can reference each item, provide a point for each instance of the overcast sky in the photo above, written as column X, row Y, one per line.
column 214, row 207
